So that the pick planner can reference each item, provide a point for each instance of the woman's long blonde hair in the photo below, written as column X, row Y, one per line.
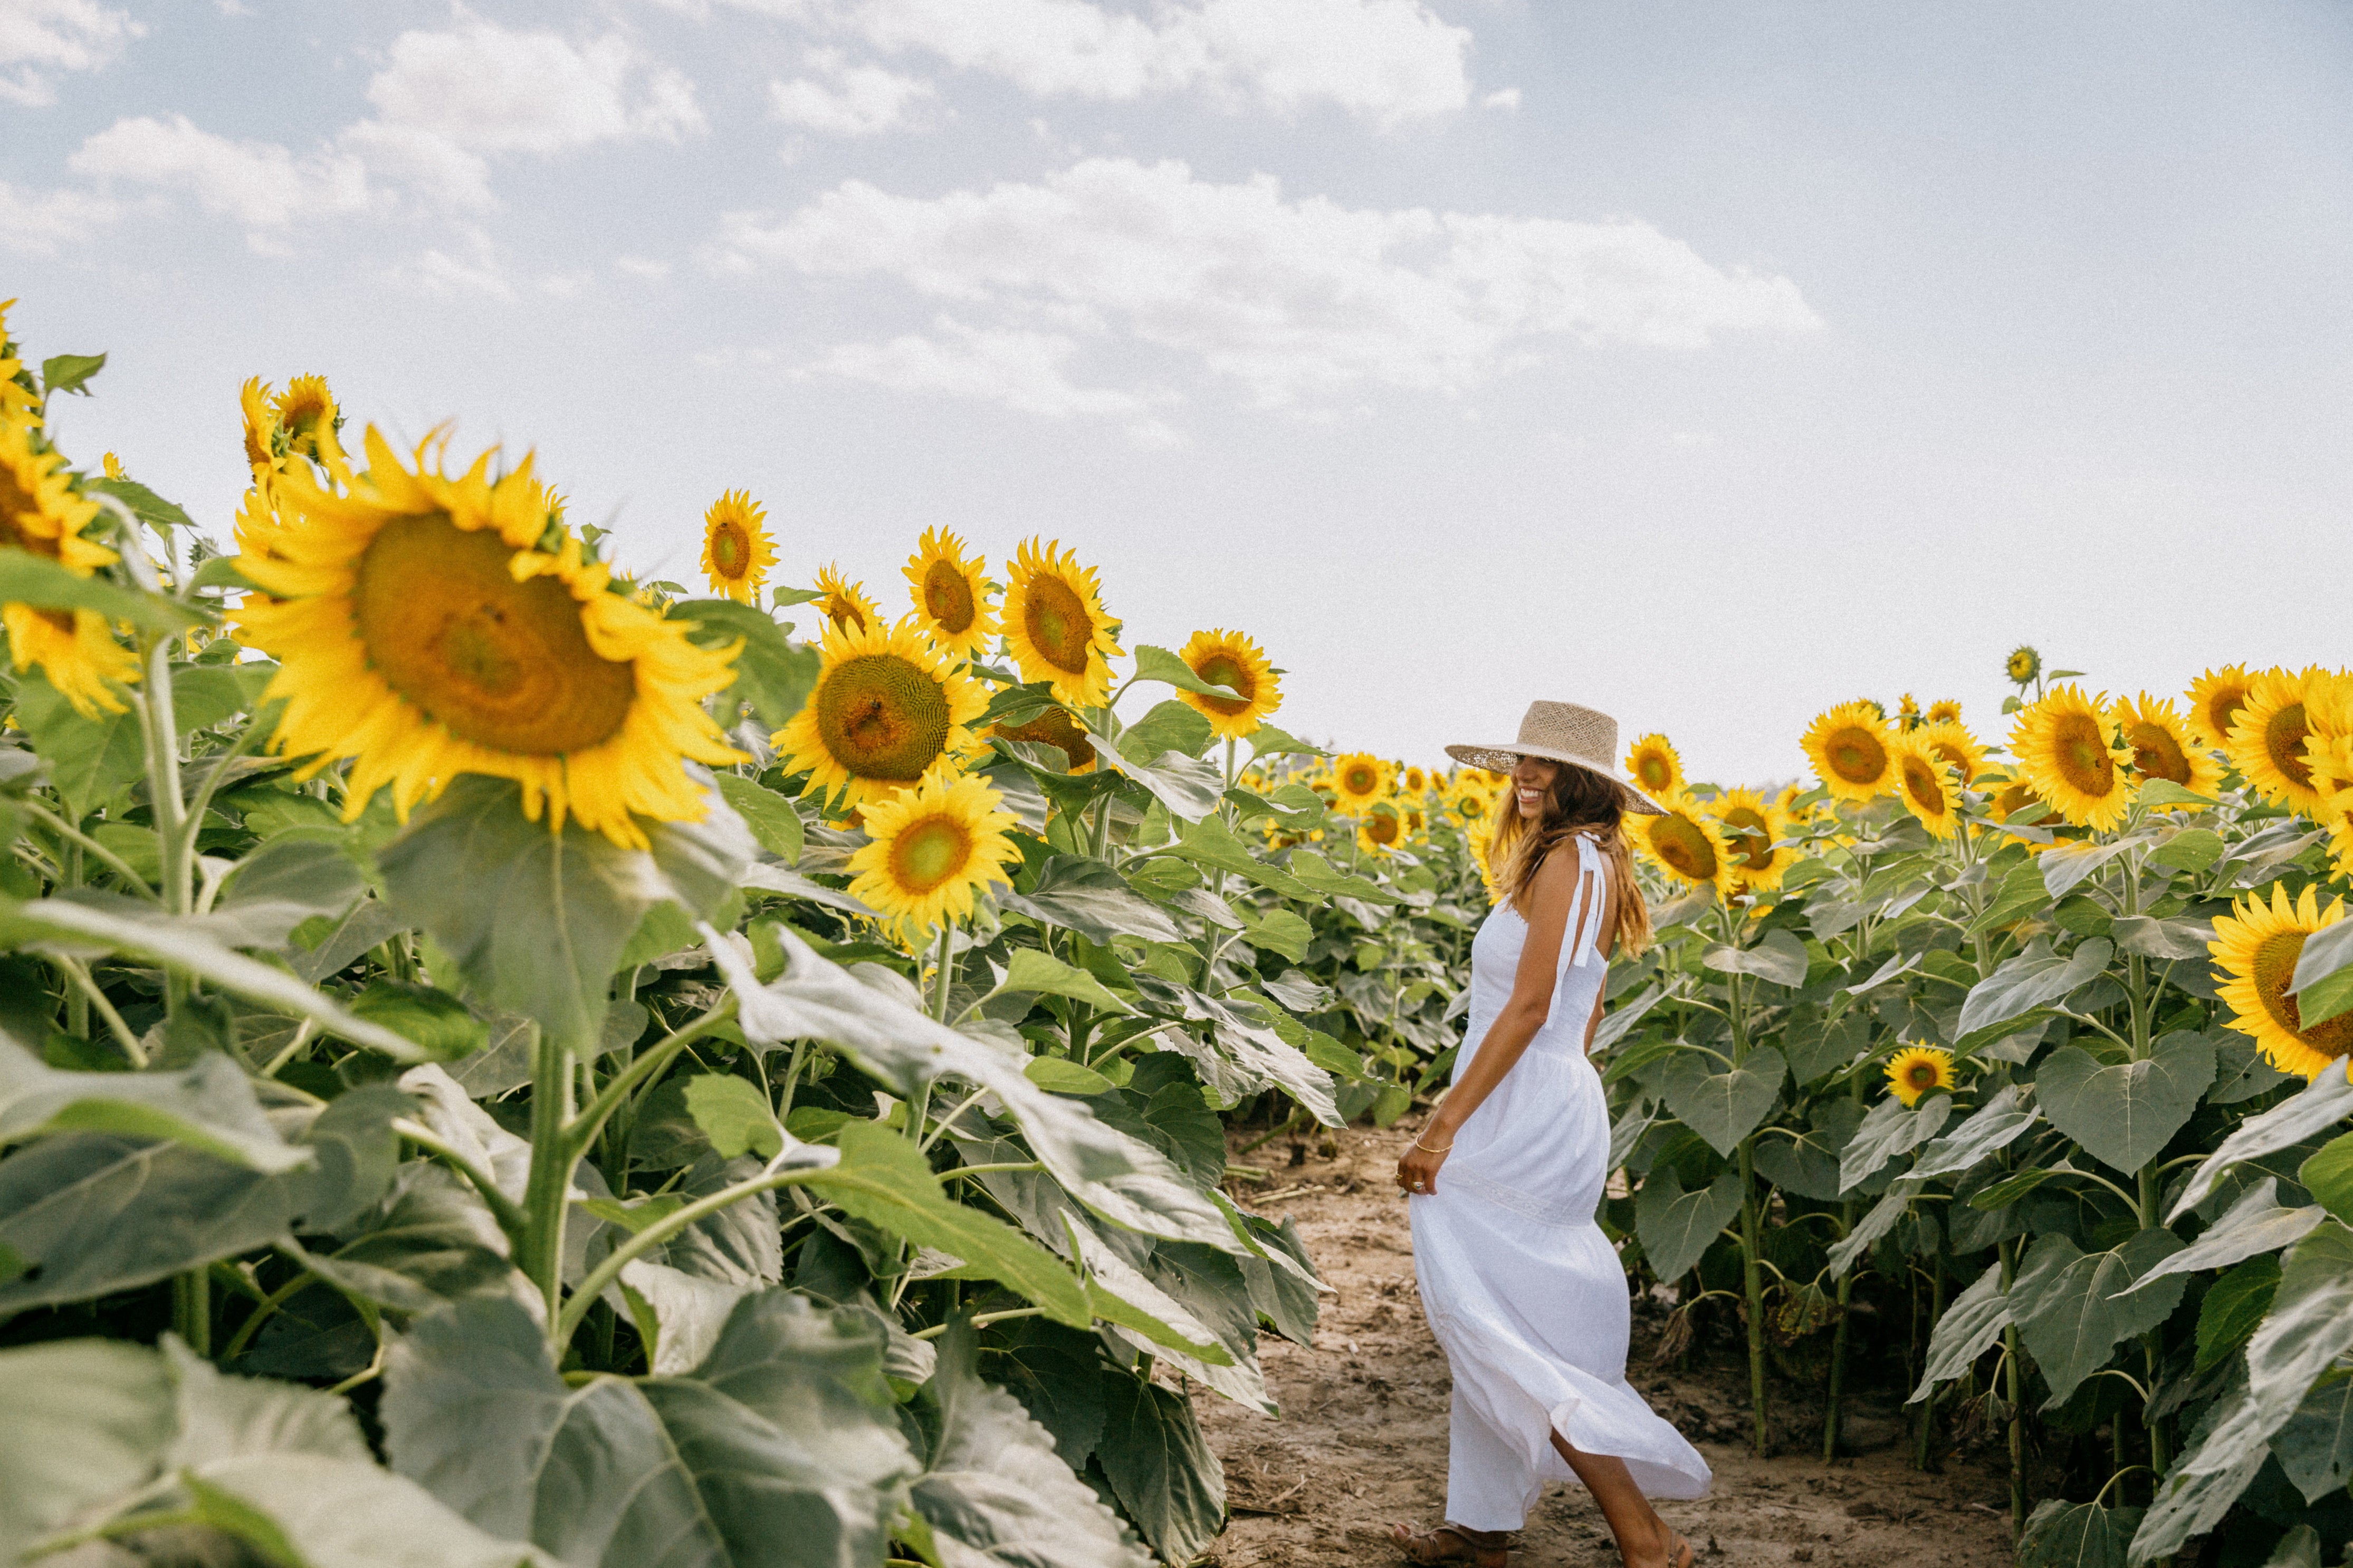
column 1579, row 801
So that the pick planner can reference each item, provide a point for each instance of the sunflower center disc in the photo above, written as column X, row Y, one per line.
column 2275, row 971
column 2283, row 738
column 1685, row 848
column 1654, row 773
column 503, row 663
column 1857, row 756
column 1920, row 782
column 2156, row 756
column 1056, row 620
column 928, row 853
column 1750, row 845
column 2082, row 755
column 882, row 717
column 1053, row 727
column 1223, row 669
column 16, row 503
column 727, row 551
column 947, row 596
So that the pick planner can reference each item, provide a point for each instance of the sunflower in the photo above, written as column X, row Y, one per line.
column 1907, row 712
column 2267, row 737
column 1924, row 784
column 424, row 630
column 2064, row 753
column 1054, row 728
column 2257, row 946
column 2022, row 665
column 1482, row 845
column 1054, row 620
column 951, row 594
column 306, row 416
column 1382, row 830
column 932, row 848
column 16, row 397
column 1751, row 826
column 843, row 601
column 2330, row 752
column 1684, row 842
column 886, row 710
column 1944, row 711
column 2161, row 745
column 1915, row 1070
column 736, row 550
column 1471, row 802
column 2215, row 699
column 1849, row 748
column 1413, row 781
column 1652, row 764
column 1786, row 802
column 253, row 400
column 1949, row 741
column 41, row 515
column 1360, row 781
column 1233, row 661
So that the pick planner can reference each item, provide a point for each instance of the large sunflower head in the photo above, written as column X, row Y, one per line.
column 1950, row 742
column 843, row 602
column 950, row 593
column 2162, row 747
column 736, row 550
column 1472, row 802
column 1054, row 620
column 41, row 514
column 930, row 848
column 1685, row 842
column 1652, row 764
column 887, row 708
column 1235, row 662
column 2257, row 946
column 2215, row 699
column 2065, row 752
column 1916, row 1070
column 2267, row 738
column 1924, row 784
column 1751, row 825
column 1360, row 781
column 1849, row 747
column 2022, row 665
column 1055, row 728
column 1382, row 830
column 1944, row 711
column 428, row 626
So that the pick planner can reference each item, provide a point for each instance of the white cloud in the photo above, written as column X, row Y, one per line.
column 259, row 184
column 38, row 221
column 39, row 39
column 850, row 101
column 1019, row 369
column 1388, row 60
column 641, row 267
column 1299, row 302
column 486, row 88
column 1503, row 97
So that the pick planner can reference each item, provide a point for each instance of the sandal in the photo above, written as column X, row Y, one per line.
column 1452, row 1543
column 1681, row 1553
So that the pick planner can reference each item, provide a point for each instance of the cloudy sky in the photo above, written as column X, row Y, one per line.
column 1706, row 363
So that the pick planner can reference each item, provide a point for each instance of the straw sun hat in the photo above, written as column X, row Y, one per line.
column 1562, row 733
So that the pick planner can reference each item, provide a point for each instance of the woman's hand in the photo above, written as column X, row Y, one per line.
column 1417, row 1166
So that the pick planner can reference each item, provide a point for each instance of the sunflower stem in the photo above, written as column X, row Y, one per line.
column 1833, row 1410
column 2012, row 1392
column 552, row 1158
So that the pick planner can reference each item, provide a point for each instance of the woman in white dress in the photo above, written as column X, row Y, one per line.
column 1521, row 1289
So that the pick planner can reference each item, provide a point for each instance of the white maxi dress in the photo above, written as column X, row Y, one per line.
column 1523, row 1290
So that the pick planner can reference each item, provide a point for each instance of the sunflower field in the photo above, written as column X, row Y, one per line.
column 508, row 1062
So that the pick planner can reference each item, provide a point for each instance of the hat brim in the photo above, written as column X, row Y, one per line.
column 1501, row 759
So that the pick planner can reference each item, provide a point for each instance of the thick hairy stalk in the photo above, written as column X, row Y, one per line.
column 1834, row 1410
column 1753, row 1283
column 552, row 1157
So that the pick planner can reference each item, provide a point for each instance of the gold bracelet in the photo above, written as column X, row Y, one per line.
column 1427, row 1149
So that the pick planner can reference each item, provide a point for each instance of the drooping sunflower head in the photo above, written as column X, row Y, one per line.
column 2022, row 665
column 2215, row 699
column 1360, row 781
column 1652, row 764
column 1685, row 842
column 843, row 602
column 1916, row 1071
column 1849, row 747
column 1944, row 711
column 1751, row 826
column 931, row 849
column 1055, row 623
column 950, row 593
column 736, row 550
column 1055, row 728
column 1382, row 830
column 1925, row 786
column 41, row 514
column 2267, row 738
column 2161, row 745
column 2065, row 751
column 428, row 625
column 887, row 708
column 2256, row 946
column 1233, row 661
column 1950, row 742
column 307, row 420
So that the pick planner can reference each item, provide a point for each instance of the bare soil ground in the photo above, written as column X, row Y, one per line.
column 1362, row 1439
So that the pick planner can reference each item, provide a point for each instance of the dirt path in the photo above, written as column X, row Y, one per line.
column 1362, row 1439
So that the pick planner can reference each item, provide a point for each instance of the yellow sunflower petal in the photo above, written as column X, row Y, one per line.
column 1685, row 842
column 1751, row 825
column 1360, row 781
column 2163, row 747
column 737, row 549
column 951, row 592
column 2256, row 946
column 1916, row 1070
column 2267, row 737
column 2066, row 753
column 1926, row 785
column 1055, row 623
column 1233, row 661
column 932, row 849
column 2215, row 699
column 844, row 603
column 887, row 708
column 1651, row 763
column 1848, row 748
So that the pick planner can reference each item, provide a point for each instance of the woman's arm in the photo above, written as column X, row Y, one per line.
column 1507, row 1037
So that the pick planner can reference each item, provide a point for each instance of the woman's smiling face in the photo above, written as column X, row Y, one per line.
column 1531, row 781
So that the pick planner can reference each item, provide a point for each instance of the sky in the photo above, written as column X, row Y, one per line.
column 1709, row 363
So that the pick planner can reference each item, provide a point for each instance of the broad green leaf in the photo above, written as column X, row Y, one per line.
column 792, row 884
column 1034, row 972
column 2167, row 941
column 2299, row 1548
column 2192, row 849
column 144, row 504
column 2329, row 1176
column 2165, row 792
column 26, row 578
column 1266, row 741
column 2124, row 1113
column 1618, row 1021
column 1210, row 843
column 733, row 1115
column 437, row 1022
column 1318, row 873
column 883, row 1180
column 432, row 1242
column 535, row 920
column 2233, row 1305
column 1881, row 1218
column 679, row 1315
column 994, row 1493
column 2022, row 894
column 281, row 885
column 1246, row 1053
column 2324, row 974
column 2257, row 1223
column 1188, row 788
column 1161, row 1468
column 1889, row 1130
column 208, row 1107
column 2310, row 1324
column 2000, row 1195
column 70, row 373
column 770, row 816
column 87, row 1420
column 1171, row 726
column 2222, row 1456
column 1778, row 956
column 1802, row 1164
column 1993, row 1127
column 1676, row 1226
column 1280, row 931
column 1088, row 897
column 89, row 759
column 2065, row 864
column 2032, row 978
column 2060, row 1534
column 2241, row 1071
column 2323, row 1102
column 1724, row 1106
column 2071, row 1308
column 1971, row 1323
column 2315, row 1447
column 1057, row 1075
column 1160, row 664
column 771, row 674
